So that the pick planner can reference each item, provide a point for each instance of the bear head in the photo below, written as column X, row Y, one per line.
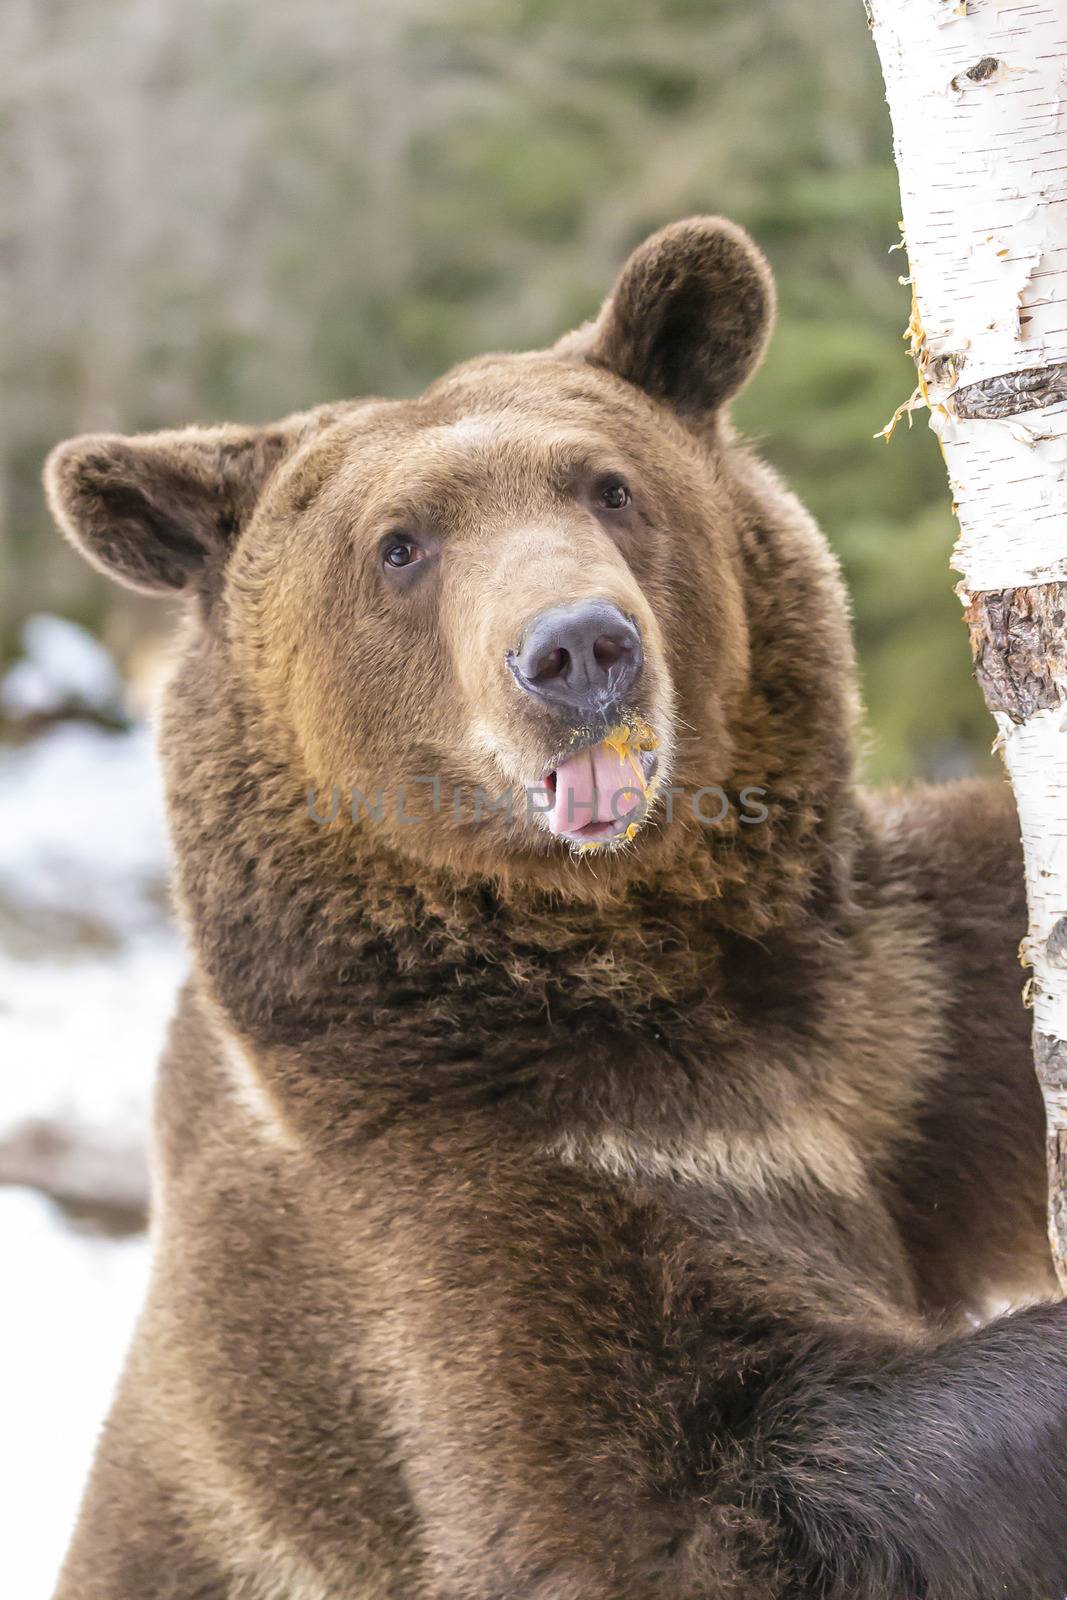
column 502, row 633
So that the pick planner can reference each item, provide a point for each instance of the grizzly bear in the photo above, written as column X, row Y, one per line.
column 595, row 1128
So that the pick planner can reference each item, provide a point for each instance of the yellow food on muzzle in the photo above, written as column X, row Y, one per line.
column 631, row 740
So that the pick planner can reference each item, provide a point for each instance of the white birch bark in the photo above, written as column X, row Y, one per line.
column 977, row 90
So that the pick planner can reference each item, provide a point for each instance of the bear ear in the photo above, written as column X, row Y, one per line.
column 159, row 511
column 689, row 318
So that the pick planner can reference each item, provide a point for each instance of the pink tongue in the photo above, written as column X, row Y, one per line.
column 588, row 790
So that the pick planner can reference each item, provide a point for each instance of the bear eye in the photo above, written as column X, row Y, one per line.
column 402, row 552
column 615, row 495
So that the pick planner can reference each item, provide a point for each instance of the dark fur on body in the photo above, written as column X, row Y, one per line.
column 531, row 1226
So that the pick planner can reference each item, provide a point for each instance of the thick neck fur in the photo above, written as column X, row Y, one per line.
column 386, row 985
column 302, row 930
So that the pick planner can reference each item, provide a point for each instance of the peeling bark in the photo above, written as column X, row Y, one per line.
column 978, row 96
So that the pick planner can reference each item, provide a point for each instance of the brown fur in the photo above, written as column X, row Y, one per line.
column 544, row 1226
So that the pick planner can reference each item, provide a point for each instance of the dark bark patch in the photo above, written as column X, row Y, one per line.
column 1050, row 1059
column 1012, row 392
column 1057, row 1209
column 1018, row 643
column 981, row 72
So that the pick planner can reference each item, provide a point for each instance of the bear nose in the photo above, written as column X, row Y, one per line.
column 581, row 657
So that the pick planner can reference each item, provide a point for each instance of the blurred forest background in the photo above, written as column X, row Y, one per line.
column 217, row 210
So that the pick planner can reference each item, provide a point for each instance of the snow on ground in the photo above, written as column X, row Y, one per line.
column 89, row 965
column 70, row 1303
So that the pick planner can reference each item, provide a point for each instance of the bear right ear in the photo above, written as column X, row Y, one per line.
column 688, row 319
column 159, row 511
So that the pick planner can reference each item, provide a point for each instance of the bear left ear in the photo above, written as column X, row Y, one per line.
column 688, row 319
column 159, row 511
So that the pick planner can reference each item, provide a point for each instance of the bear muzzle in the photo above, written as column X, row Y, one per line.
column 583, row 663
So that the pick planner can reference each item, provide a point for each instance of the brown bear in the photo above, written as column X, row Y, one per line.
column 594, row 1127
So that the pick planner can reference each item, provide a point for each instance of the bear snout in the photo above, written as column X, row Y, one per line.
column 581, row 659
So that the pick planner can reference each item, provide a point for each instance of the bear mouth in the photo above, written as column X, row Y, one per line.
column 601, row 793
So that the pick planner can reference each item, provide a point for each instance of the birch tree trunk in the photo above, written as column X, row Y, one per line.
column 977, row 90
